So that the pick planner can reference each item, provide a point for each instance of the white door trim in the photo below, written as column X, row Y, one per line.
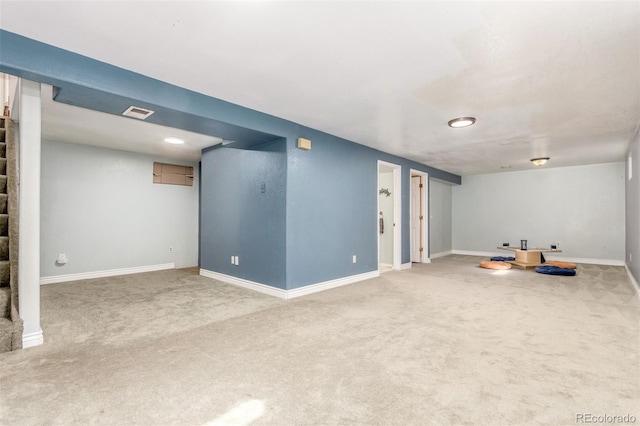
column 424, row 196
column 397, row 210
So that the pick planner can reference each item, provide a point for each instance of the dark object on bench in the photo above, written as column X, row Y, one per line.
column 501, row 258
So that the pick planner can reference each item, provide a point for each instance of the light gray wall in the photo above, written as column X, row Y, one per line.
column 100, row 208
column 439, row 217
column 581, row 207
column 385, row 203
column 633, row 210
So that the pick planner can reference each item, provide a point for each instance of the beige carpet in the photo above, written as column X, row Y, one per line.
column 442, row 343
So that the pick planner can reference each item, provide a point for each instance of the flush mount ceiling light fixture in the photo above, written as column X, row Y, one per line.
column 461, row 122
column 175, row 141
column 540, row 161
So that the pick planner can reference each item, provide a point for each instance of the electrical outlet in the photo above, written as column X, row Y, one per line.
column 233, row 260
column 355, row 259
column 558, row 245
column 170, row 249
column 237, row 260
column 630, row 257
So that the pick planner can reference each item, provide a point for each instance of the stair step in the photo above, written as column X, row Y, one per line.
column 4, row 225
column 3, row 150
column 3, row 134
column 5, row 302
column 3, row 184
column 3, row 203
column 5, row 273
column 6, row 334
column 3, row 166
column 4, row 248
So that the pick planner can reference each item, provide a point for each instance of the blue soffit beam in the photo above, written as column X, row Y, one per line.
column 84, row 82
column 96, row 85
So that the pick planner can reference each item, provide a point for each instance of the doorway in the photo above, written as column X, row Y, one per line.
column 419, row 217
column 388, row 215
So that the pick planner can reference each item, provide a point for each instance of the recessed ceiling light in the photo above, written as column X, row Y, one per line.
column 461, row 122
column 175, row 141
column 541, row 161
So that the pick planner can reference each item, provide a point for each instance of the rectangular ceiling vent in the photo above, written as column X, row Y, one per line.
column 137, row 112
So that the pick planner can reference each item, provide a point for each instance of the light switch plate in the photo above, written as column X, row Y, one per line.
column 304, row 143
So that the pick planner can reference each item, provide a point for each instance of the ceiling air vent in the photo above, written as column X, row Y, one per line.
column 137, row 112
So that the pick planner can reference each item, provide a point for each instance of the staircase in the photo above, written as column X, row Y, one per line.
column 10, row 322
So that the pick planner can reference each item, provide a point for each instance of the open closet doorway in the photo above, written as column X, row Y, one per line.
column 388, row 214
column 419, row 223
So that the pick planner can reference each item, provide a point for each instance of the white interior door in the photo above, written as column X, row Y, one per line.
column 419, row 213
column 395, row 224
column 386, row 197
column 416, row 217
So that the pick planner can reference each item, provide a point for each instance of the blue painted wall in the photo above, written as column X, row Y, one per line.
column 332, row 208
column 323, row 206
column 238, row 218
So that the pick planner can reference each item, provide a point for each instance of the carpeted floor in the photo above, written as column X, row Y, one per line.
column 441, row 343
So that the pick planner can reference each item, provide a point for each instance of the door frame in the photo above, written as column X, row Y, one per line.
column 396, row 169
column 424, row 197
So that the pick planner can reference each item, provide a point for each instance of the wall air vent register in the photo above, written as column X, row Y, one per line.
column 172, row 174
column 137, row 112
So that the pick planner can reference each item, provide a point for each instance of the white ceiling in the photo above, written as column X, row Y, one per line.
column 557, row 79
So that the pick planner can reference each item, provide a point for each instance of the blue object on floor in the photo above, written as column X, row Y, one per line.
column 555, row 270
column 502, row 258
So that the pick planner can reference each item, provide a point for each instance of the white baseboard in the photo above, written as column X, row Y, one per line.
column 441, row 254
column 30, row 340
column 288, row 294
column 587, row 260
column 386, row 265
column 102, row 274
column 326, row 285
column 404, row 266
column 633, row 280
column 240, row 282
column 481, row 253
